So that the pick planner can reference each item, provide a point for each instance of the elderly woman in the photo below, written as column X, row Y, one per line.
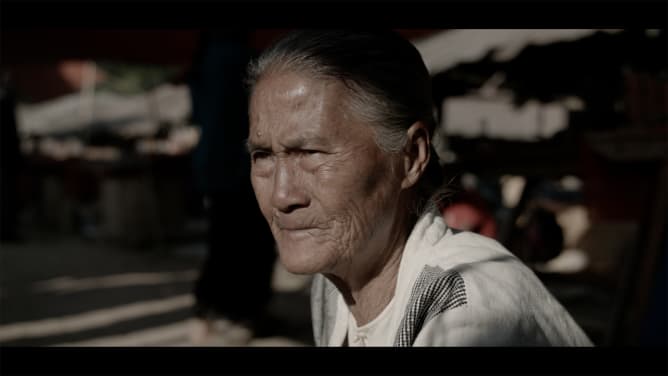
column 345, row 175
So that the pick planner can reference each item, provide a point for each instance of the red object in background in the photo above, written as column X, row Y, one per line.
column 470, row 213
column 44, row 46
column 39, row 82
column 49, row 63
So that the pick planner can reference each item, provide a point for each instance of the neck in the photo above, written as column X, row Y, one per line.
column 369, row 287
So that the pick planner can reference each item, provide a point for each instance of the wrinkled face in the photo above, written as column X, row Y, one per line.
column 326, row 189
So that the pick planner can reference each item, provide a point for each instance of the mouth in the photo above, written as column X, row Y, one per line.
column 297, row 232
column 295, row 228
column 286, row 224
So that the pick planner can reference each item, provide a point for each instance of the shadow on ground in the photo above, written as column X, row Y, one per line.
column 77, row 292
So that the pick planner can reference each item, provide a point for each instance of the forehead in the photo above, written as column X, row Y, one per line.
column 292, row 103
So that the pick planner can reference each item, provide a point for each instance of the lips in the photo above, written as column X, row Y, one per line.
column 294, row 227
column 289, row 224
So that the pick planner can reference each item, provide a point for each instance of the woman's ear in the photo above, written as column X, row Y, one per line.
column 416, row 154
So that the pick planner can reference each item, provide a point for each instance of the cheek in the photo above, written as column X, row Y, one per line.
column 339, row 177
column 353, row 198
column 359, row 178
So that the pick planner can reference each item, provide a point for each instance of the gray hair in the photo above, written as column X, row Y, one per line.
column 389, row 85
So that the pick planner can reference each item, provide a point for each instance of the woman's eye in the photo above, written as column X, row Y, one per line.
column 261, row 163
column 259, row 155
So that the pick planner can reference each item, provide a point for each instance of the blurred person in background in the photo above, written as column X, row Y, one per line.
column 234, row 285
column 345, row 174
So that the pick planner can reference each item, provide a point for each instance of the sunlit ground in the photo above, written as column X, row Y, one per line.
column 71, row 292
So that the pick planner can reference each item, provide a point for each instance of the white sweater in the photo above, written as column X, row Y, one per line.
column 455, row 289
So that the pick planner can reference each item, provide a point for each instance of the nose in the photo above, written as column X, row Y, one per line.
column 288, row 192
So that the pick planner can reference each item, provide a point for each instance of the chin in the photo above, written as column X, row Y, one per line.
column 302, row 259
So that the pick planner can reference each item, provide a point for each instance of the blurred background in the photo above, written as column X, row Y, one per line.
column 554, row 142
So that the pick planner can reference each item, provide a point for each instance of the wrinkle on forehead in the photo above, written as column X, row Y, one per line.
column 291, row 104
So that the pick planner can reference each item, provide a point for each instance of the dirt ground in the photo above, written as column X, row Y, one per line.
column 74, row 292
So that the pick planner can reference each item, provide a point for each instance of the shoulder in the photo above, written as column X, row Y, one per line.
column 477, row 304
column 441, row 259
column 470, row 290
column 484, row 266
column 480, row 294
column 457, row 307
column 433, row 241
column 496, row 282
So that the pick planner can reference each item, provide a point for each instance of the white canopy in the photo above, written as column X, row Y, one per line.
column 446, row 49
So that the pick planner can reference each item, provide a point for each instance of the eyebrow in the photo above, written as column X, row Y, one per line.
column 297, row 142
column 305, row 139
